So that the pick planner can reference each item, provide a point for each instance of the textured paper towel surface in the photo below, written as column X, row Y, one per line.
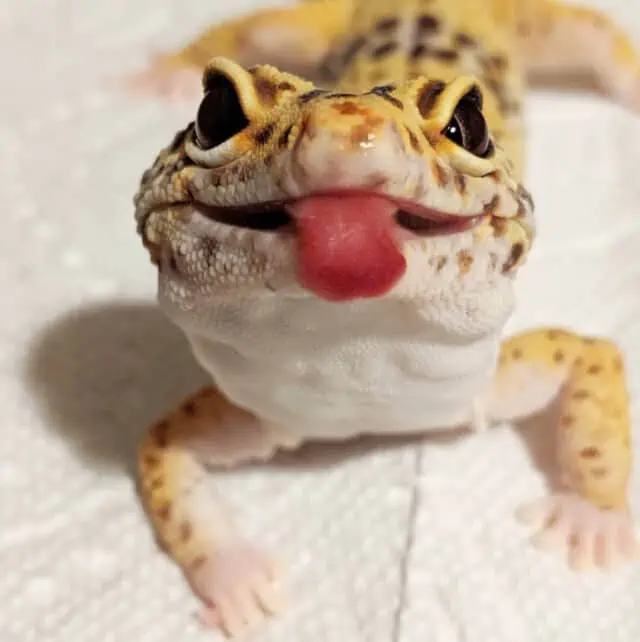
column 406, row 543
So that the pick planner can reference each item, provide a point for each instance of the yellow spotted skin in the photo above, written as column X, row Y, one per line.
column 594, row 431
column 318, row 82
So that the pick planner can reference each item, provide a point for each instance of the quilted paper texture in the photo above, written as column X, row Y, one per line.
column 407, row 543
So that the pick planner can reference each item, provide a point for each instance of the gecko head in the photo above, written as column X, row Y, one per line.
column 282, row 188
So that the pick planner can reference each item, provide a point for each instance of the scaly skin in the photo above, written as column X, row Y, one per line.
column 224, row 221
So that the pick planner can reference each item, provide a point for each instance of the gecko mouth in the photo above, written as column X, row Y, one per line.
column 276, row 216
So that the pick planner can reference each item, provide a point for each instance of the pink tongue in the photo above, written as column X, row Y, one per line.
column 346, row 245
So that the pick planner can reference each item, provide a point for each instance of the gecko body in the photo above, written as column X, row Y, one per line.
column 341, row 254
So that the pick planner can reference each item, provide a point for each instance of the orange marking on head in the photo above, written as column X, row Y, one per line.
column 350, row 108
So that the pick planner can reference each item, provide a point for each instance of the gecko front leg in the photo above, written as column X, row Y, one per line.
column 236, row 581
column 589, row 518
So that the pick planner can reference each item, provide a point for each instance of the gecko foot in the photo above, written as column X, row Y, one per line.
column 238, row 587
column 589, row 536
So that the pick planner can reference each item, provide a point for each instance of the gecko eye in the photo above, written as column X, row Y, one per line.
column 468, row 128
column 220, row 115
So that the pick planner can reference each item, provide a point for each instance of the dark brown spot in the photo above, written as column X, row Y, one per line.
column 553, row 335
column 579, row 395
column 490, row 208
column 387, row 24
column 594, row 369
column 161, row 431
column 419, row 51
column 566, row 421
column 286, row 86
column 499, row 225
column 516, row 355
column 186, row 531
column 428, row 96
column 428, row 24
column 460, row 181
column 558, row 356
column 190, row 408
column 266, row 90
column 384, row 50
column 349, row 108
column 414, row 140
column 353, row 49
column 590, row 453
column 517, row 249
column 263, row 136
column 465, row 261
column 494, row 176
column 445, row 55
column 464, row 40
column 164, row 512
column 151, row 461
column 423, row 51
column 283, row 141
column 440, row 173
column 440, row 263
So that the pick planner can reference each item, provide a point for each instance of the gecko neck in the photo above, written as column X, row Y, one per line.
column 393, row 42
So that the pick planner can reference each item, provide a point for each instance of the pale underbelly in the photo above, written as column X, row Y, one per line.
column 332, row 398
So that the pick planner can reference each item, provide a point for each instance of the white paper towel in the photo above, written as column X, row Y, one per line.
column 402, row 543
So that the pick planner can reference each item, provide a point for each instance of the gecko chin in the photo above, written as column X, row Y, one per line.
column 349, row 245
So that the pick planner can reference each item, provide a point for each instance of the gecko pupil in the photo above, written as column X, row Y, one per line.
column 468, row 129
column 220, row 115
